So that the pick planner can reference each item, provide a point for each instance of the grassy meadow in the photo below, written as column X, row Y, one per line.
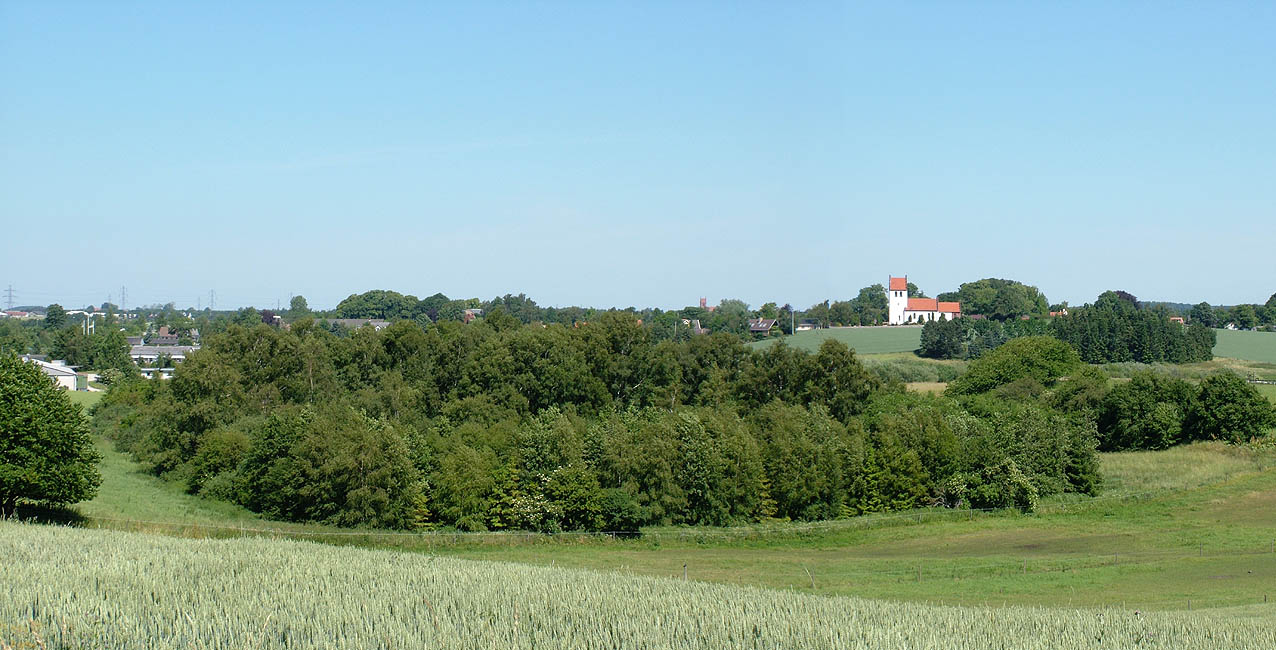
column 1194, row 523
column 84, row 398
column 864, row 340
column 67, row 587
column 1250, row 346
column 1245, row 346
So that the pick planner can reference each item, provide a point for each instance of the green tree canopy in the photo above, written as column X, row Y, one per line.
column 1041, row 358
column 1000, row 299
column 1228, row 408
column 46, row 454
column 54, row 316
column 298, row 308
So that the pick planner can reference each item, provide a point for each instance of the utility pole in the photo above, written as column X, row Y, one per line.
column 212, row 300
column 123, row 299
column 9, row 295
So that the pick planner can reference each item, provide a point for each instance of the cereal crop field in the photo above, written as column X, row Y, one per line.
column 69, row 587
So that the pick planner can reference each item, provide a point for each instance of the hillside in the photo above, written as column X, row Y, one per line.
column 1190, row 523
column 865, row 340
column 1251, row 346
column 1248, row 346
column 128, row 590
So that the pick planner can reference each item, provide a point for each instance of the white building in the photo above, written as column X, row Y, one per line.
column 61, row 374
column 149, row 353
column 903, row 310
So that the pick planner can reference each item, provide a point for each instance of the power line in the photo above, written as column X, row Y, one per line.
column 9, row 295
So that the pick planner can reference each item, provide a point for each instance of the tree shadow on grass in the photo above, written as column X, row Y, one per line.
column 43, row 514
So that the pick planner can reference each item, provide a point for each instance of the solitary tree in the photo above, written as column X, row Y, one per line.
column 54, row 316
column 298, row 308
column 46, row 454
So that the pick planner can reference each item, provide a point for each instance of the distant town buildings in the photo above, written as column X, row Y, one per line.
column 147, row 354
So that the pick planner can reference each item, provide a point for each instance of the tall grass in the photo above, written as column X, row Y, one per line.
column 96, row 588
column 1179, row 468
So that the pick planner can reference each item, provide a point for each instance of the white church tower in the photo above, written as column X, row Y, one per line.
column 896, row 299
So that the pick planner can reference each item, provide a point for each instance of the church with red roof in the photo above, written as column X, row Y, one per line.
column 904, row 310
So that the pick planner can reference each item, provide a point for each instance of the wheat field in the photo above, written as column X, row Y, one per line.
column 69, row 587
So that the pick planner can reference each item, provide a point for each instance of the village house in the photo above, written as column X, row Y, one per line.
column 904, row 310
column 762, row 325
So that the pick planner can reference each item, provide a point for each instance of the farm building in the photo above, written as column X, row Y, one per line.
column 61, row 374
column 903, row 310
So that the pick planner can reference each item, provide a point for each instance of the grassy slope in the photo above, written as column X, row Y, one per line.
column 865, row 340
column 1267, row 389
column 84, row 398
column 1251, row 346
column 1248, row 346
column 1204, row 533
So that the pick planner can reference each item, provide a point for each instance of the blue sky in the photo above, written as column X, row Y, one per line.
column 612, row 154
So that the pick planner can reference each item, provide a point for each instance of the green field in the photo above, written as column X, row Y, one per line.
column 129, row 590
column 1251, row 346
column 1267, row 389
column 864, row 340
column 84, row 398
column 1192, row 524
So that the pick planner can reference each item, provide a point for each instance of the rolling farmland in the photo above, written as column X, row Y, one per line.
column 864, row 340
column 1251, row 346
column 70, row 587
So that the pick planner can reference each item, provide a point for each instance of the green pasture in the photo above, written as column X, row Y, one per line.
column 1247, row 346
column 1250, row 346
column 864, row 340
column 1267, row 389
column 84, row 398
column 1192, row 524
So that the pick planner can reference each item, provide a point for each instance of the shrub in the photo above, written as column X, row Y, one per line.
column 1145, row 413
column 1042, row 358
column 1228, row 408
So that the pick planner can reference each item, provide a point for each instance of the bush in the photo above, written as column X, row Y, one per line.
column 1003, row 485
column 1228, row 408
column 1042, row 358
column 1145, row 413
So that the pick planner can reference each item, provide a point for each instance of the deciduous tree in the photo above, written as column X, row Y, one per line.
column 46, row 453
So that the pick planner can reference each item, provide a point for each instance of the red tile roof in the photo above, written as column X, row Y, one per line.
column 923, row 304
column 898, row 284
column 933, row 304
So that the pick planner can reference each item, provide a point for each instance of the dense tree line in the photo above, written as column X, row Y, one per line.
column 504, row 425
column 1243, row 316
column 1156, row 411
column 1115, row 329
column 970, row 338
column 1151, row 411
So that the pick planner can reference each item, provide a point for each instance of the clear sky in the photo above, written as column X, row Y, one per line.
column 617, row 154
